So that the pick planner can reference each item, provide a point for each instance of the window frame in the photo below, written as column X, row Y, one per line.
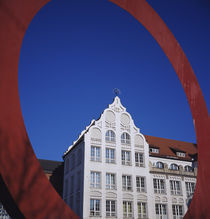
column 93, row 176
column 94, row 211
column 127, row 211
column 109, row 159
column 124, row 158
column 141, row 206
column 110, row 185
column 127, row 183
column 175, row 187
column 161, row 186
column 109, row 212
column 141, row 188
column 125, row 138
column 93, row 156
column 110, row 136
column 139, row 159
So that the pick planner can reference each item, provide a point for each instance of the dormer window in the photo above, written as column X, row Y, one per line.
column 174, row 166
column 110, row 136
column 159, row 165
column 154, row 150
column 125, row 138
column 180, row 154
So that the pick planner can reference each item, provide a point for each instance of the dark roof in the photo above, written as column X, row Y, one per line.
column 49, row 165
column 169, row 147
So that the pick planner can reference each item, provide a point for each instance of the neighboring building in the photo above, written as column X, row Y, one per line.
column 114, row 171
column 54, row 172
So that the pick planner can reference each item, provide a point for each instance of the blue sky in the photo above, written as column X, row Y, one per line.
column 75, row 52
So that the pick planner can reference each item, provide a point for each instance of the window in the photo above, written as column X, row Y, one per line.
column 125, row 138
column 111, row 208
column 78, row 203
column 140, row 184
column 95, row 208
column 72, row 161
column 190, row 187
column 142, row 210
column 159, row 165
column 188, row 169
column 78, row 180
column 79, row 156
column 174, row 166
column 66, row 188
column 110, row 181
column 126, row 158
column 95, row 154
column 154, row 150
column 139, row 159
column 72, row 184
column 95, row 180
column 127, row 209
column 110, row 155
column 161, row 211
column 71, row 201
column 159, row 186
column 177, row 211
column 175, row 187
column 110, row 136
column 180, row 154
column 126, row 183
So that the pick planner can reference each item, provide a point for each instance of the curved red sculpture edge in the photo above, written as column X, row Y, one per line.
column 19, row 167
column 145, row 14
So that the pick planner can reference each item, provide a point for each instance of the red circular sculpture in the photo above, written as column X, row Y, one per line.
column 20, row 170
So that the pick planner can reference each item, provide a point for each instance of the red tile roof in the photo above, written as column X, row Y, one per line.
column 169, row 147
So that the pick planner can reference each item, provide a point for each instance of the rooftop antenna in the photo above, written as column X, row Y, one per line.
column 116, row 91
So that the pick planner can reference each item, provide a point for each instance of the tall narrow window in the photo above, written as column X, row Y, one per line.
column 127, row 209
column 126, row 158
column 95, row 153
column 95, row 180
column 139, row 159
column 67, row 165
column 190, row 187
column 111, row 208
column 142, row 210
column 110, row 155
column 73, row 161
column 140, row 184
column 95, row 208
column 66, row 188
column 161, row 211
column 72, row 184
column 78, row 180
column 159, row 186
column 126, row 183
column 175, row 187
column 110, row 136
column 177, row 211
column 125, row 138
column 110, row 181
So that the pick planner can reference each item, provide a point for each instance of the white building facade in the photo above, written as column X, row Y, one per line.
column 112, row 171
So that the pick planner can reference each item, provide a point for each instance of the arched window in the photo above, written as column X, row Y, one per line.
column 125, row 138
column 174, row 166
column 188, row 168
column 110, row 136
column 159, row 165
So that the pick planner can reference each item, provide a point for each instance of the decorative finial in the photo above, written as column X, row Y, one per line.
column 116, row 91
